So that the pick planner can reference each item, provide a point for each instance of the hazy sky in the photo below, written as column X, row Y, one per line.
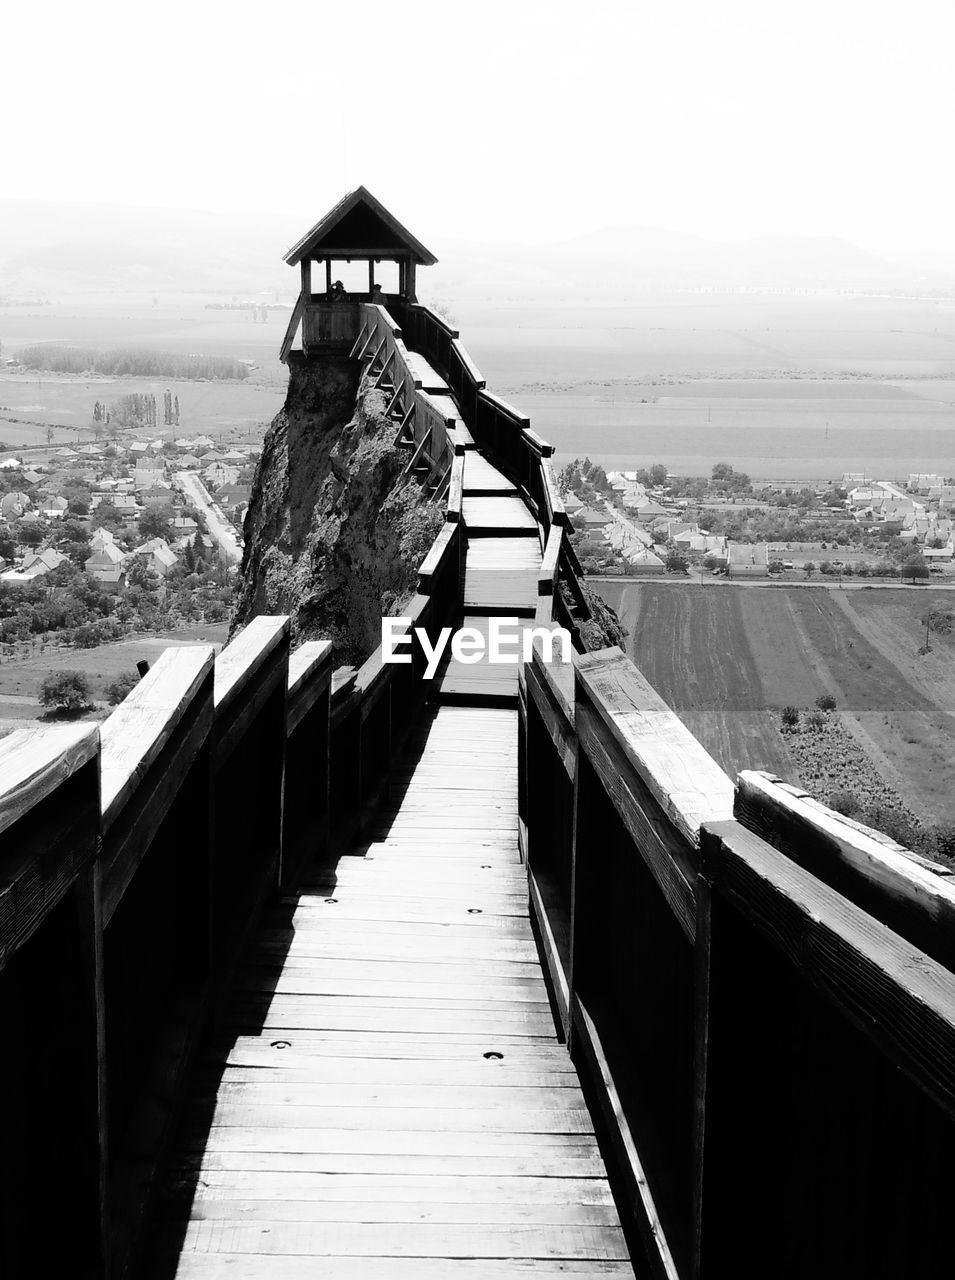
column 500, row 119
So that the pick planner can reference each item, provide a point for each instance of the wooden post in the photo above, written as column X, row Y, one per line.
column 410, row 281
column 306, row 280
column 328, row 275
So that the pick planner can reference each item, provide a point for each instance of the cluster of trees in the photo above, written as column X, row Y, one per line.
column 652, row 477
column 170, row 409
column 135, row 410
column 131, row 362
column 724, row 479
column 911, row 569
column 69, row 692
column 585, row 478
column 70, row 607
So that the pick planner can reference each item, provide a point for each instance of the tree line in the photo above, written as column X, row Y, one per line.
column 131, row 362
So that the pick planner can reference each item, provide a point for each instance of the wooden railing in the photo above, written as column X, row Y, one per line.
column 774, row 1065
column 134, row 860
column 504, row 434
column 417, row 396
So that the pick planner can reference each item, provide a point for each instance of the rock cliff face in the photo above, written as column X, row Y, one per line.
column 334, row 533
column 604, row 629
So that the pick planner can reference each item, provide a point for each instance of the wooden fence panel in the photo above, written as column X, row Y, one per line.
column 156, row 911
column 53, row 1172
column 251, row 681
column 913, row 896
column 305, row 830
column 826, row 1089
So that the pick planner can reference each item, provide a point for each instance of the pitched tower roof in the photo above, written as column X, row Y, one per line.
column 359, row 225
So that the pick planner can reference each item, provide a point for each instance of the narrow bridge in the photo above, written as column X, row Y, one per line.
column 309, row 971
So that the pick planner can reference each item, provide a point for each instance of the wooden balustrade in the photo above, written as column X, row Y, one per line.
column 500, row 430
column 912, row 895
column 417, row 396
column 771, row 1064
column 306, row 813
column 155, row 887
column 51, row 1067
column 251, row 682
column 133, row 862
column 757, row 992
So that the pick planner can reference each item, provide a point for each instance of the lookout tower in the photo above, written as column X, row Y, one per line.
column 358, row 229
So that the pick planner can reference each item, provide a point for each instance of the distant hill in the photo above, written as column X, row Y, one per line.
column 622, row 261
column 53, row 248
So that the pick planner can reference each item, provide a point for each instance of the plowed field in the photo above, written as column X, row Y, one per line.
column 728, row 658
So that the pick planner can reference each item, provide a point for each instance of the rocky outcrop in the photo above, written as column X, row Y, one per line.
column 334, row 533
column 603, row 628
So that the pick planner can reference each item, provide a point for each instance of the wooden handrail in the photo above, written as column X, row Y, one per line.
column 911, row 894
column 882, row 982
column 298, row 311
column 547, row 577
column 35, row 762
column 239, row 661
column 432, row 563
column 136, row 733
column 474, row 373
column 456, row 491
column 679, row 773
column 309, row 675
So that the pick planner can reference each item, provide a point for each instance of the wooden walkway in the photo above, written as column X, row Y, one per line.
column 502, row 563
column 391, row 1101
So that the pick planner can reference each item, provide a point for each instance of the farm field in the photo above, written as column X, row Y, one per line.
column 728, row 658
column 21, row 676
column 233, row 410
column 175, row 323
column 786, row 387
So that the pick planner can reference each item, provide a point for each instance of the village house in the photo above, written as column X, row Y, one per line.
column 645, row 561
column 747, row 559
column 156, row 495
column 219, row 474
column 39, row 563
column 943, row 494
column 922, row 482
column 160, row 557
column 14, row 504
column 635, row 497
column 591, row 518
column 101, row 538
column 54, row 508
column 233, row 495
column 106, row 565
column 124, row 503
column 649, row 511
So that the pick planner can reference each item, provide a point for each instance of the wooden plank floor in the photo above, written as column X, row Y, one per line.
column 482, row 478
column 394, row 1103
column 480, row 682
column 498, row 517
